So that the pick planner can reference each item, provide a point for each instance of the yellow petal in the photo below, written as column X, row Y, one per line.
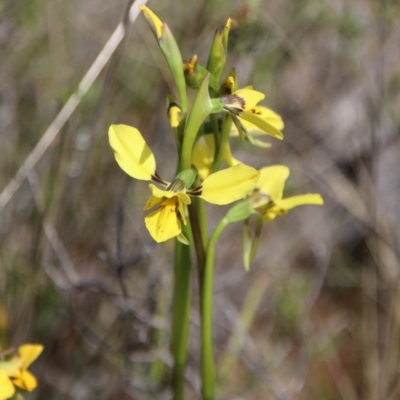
column 251, row 97
column 131, row 152
column 270, row 116
column 153, row 20
column 25, row 381
column 29, row 353
column 262, row 124
column 11, row 367
column 229, row 185
column 272, row 213
column 203, row 156
column 228, row 158
column 163, row 223
column 295, row 201
column 181, row 210
column 272, row 181
column 265, row 113
column 7, row 389
column 157, row 192
column 151, row 202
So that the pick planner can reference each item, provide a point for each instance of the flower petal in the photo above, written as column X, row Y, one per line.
column 251, row 97
column 228, row 158
column 7, row 389
column 262, row 124
column 295, row 201
column 181, row 210
column 203, row 156
column 270, row 116
column 272, row 181
column 272, row 212
column 157, row 192
column 29, row 353
column 131, row 152
column 163, row 223
column 228, row 185
column 265, row 113
column 25, row 381
column 152, row 201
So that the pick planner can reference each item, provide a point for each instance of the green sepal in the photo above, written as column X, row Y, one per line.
column 188, row 176
column 258, row 143
column 201, row 109
column 239, row 212
column 183, row 239
column 250, row 241
column 240, row 127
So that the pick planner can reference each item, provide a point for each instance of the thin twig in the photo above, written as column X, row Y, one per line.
column 70, row 106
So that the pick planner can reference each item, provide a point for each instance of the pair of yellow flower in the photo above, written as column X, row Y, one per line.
column 264, row 187
column 137, row 160
column 15, row 372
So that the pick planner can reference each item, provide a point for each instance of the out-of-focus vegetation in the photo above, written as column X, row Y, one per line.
column 317, row 316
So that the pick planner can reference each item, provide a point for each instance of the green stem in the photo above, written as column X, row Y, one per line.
column 198, row 223
column 219, row 153
column 207, row 356
column 180, row 316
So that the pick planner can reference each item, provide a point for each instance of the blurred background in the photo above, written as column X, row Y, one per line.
column 318, row 314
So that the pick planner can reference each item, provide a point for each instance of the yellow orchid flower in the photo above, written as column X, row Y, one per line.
column 204, row 150
column 268, row 193
column 243, row 106
column 15, row 371
column 137, row 160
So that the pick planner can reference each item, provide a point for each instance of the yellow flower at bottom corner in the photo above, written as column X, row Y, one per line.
column 16, row 370
column 268, row 195
column 27, row 353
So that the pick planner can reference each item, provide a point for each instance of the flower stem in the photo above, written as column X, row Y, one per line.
column 198, row 223
column 220, row 146
column 207, row 356
column 180, row 316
